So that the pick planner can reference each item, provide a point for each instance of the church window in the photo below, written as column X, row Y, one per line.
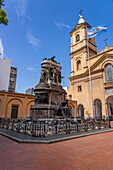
column 109, row 73
column 78, row 65
column 77, row 37
column 79, row 88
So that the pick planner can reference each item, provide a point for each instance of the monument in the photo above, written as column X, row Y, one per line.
column 48, row 92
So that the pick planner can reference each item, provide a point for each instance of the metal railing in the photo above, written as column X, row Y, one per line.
column 47, row 127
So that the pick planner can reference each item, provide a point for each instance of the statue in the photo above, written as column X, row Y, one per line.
column 46, row 74
column 42, row 77
column 54, row 75
column 63, row 110
column 48, row 92
column 44, row 59
column 59, row 77
column 52, row 58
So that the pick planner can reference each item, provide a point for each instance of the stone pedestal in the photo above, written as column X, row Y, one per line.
column 49, row 92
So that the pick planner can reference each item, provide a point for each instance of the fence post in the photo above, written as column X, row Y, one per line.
column 109, row 123
column 56, row 126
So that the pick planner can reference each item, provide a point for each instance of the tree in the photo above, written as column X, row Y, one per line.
column 3, row 14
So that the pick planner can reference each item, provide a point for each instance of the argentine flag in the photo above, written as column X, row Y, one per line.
column 94, row 31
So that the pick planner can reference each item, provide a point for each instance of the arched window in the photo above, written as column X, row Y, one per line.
column 78, row 65
column 77, row 37
column 98, row 109
column 109, row 73
column 81, row 111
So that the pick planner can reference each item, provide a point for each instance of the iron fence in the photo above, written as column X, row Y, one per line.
column 46, row 127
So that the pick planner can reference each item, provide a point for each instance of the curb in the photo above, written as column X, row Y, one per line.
column 55, row 140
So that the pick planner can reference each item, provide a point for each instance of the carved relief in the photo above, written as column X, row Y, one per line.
column 41, row 98
column 54, row 99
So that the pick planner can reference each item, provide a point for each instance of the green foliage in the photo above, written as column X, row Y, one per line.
column 87, row 113
column 103, row 116
column 1, row 3
column 3, row 14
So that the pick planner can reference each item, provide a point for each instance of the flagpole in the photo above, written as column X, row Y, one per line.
column 90, row 77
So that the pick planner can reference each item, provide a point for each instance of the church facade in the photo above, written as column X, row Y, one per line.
column 101, row 66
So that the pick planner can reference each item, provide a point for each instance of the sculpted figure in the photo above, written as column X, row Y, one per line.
column 46, row 74
column 51, row 74
column 54, row 75
column 59, row 77
column 44, row 59
column 52, row 59
column 42, row 77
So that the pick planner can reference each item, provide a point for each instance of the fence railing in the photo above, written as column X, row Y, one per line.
column 46, row 127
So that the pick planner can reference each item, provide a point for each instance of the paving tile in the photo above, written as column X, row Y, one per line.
column 91, row 152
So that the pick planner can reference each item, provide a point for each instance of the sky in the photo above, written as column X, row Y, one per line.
column 40, row 28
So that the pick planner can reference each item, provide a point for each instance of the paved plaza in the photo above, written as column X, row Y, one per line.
column 91, row 152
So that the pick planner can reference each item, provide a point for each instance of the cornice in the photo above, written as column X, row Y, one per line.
column 86, row 79
column 12, row 94
column 100, row 53
column 85, row 39
column 85, row 74
column 85, row 46
column 80, row 25
column 94, row 78
column 100, row 60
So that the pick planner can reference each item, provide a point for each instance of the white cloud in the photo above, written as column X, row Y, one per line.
column 1, row 49
column 33, row 41
column 21, row 10
column 59, row 25
column 32, row 69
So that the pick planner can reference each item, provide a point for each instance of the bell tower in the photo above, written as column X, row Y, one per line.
column 78, row 47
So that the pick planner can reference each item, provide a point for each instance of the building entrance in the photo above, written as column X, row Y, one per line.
column 98, row 109
column 14, row 113
column 110, row 108
column 81, row 111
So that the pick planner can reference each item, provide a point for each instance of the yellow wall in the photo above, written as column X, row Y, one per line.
column 23, row 101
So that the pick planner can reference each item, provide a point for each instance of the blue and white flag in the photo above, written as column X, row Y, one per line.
column 93, row 32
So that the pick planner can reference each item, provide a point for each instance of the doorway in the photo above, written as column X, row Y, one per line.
column 110, row 108
column 81, row 111
column 14, row 112
column 98, row 109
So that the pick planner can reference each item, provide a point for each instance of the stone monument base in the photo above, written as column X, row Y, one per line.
column 44, row 111
column 48, row 92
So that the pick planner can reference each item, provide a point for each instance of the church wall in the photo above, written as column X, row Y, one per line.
column 84, row 96
column 98, row 91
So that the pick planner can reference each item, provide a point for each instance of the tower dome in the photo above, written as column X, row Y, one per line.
column 81, row 19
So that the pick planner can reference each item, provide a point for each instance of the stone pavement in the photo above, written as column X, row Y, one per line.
column 89, row 153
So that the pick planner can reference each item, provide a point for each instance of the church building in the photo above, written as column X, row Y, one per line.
column 101, row 66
